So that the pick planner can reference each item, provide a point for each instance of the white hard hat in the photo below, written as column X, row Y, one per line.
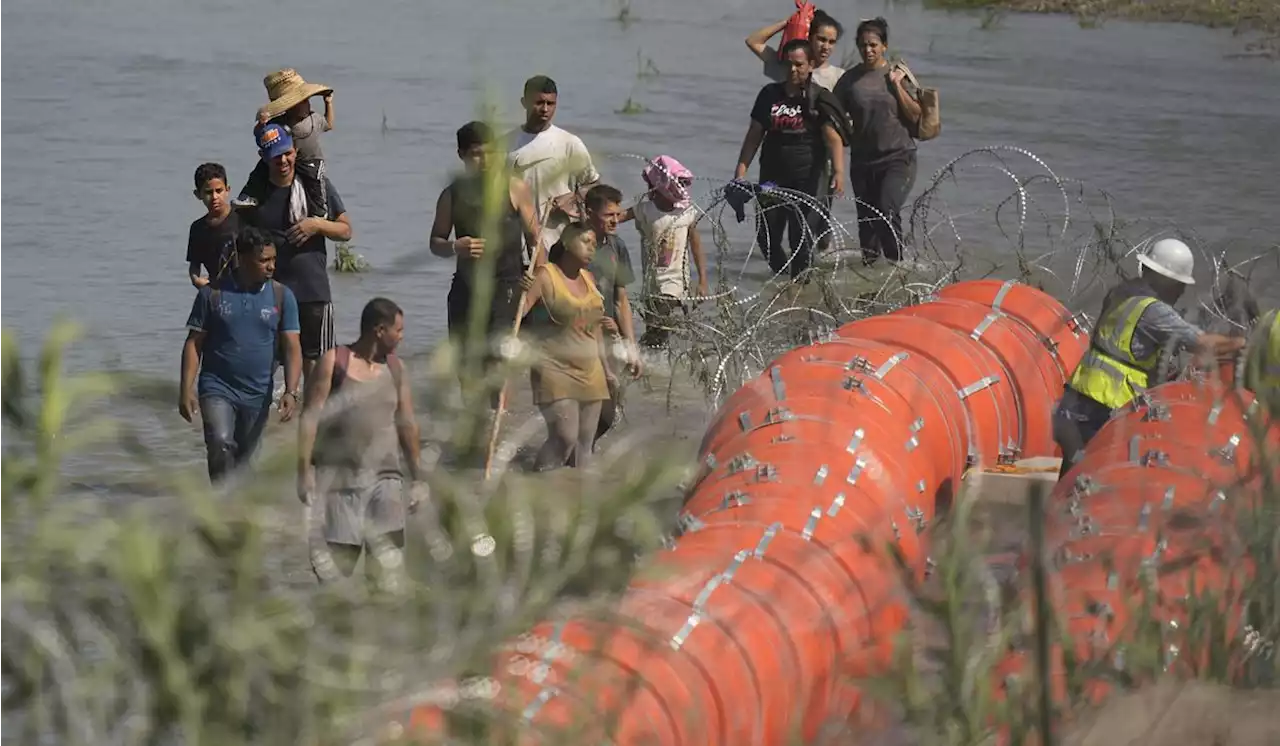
column 1171, row 258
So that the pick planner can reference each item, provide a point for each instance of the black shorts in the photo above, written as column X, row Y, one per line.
column 501, row 314
column 315, row 321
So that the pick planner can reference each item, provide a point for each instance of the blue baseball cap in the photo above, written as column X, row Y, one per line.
column 273, row 140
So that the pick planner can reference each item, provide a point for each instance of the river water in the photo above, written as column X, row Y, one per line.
column 107, row 110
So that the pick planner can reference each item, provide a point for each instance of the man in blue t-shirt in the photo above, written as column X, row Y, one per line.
column 239, row 328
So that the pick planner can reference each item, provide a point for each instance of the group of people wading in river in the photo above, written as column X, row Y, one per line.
column 551, row 256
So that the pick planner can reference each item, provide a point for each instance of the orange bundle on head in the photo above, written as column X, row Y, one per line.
column 798, row 26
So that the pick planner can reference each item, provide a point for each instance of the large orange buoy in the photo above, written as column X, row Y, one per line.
column 977, row 377
column 1147, row 521
column 1063, row 336
column 1036, row 378
column 936, row 413
column 879, row 452
column 818, row 479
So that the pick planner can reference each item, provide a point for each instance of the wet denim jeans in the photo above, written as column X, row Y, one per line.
column 231, row 432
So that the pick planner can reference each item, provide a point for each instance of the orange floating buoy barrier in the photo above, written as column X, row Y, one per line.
column 1062, row 335
column 1149, row 519
column 936, row 415
column 818, row 480
column 977, row 379
column 1036, row 378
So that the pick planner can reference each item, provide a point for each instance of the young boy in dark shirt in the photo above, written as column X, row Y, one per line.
column 211, row 240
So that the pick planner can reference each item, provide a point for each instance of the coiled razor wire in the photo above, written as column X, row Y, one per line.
column 516, row 549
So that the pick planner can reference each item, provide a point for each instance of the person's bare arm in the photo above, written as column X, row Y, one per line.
column 907, row 104
column 626, row 324
column 835, row 150
column 292, row 365
column 338, row 229
column 699, row 261
column 442, row 226
column 192, row 351
column 534, row 292
column 328, row 111
column 193, row 274
column 750, row 144
column 318, row 386
column 522, row 198
column 407, row 425
column 757, row 41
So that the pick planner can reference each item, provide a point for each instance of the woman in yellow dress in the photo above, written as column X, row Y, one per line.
column 570, row 376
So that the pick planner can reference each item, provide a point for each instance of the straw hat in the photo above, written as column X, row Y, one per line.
column 287, row 89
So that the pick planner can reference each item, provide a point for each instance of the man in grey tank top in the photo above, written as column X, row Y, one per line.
column 357, row 441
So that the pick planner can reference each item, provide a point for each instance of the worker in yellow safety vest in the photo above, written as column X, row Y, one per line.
column 1136, row 325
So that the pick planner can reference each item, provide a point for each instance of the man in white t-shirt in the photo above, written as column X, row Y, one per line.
column 554, row 163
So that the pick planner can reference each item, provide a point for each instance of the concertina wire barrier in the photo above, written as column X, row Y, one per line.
column 780, row 588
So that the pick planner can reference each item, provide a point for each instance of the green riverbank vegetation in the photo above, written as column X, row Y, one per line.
column 1260, row 18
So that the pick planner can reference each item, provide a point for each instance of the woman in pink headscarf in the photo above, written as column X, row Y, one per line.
column 667, row 221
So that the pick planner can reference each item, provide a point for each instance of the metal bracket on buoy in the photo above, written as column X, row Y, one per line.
column 887, row 365
column 916, row 516
column 1156, row 413
column 1167, row 503
column 778, row 414
column 765, row 540
column 982, row 327
column 856, row 471
column 1000, row 294
column 544, row 696
column 811, row 525
column 700, row 602
column 913, row 442
column 779, row 388
column 687, row 523
column 1228, row 452
column 979, row 385
column 740, row 463
column 744, row 421
column 1082, row 487
column 766, row 473
column 1154, row 458
column 1219, row 498
column 858, row 362
column 1144, row 516
column 855, row 441
column 734, row 499
column 821, row 475
column 853, row 383
column 837, row 503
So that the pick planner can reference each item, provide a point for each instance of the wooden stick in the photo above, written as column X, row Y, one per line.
column 502, row 393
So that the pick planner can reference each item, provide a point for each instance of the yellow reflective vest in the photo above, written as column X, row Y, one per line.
column 1109, row 373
